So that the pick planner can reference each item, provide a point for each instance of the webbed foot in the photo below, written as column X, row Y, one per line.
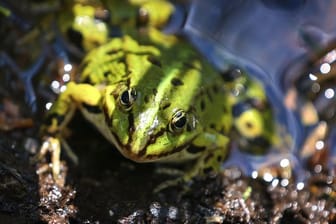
column 167, row 184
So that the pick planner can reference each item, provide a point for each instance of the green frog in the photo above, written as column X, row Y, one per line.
column 153, row 103
column 154, row 98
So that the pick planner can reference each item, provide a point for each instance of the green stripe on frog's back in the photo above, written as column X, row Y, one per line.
column 160, row 89
column 166, row 80
column 209, row 97
column 106, row 64
column 178, row 82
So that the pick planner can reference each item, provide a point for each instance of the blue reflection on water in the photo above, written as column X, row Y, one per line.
column 252, row 32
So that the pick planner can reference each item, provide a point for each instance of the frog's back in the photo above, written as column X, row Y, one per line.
column 112, row 62
column 164, row 82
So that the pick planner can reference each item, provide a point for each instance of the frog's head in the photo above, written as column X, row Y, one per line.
column 149, row 127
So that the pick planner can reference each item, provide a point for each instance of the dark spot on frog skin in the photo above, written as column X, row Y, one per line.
column 189, row 127
column 176, row 82
column 146, row 99
column 131, row 127
column 127, row 75
column 189, row 65
column 165, row 105
column 195, row 149
column 155, row 91
column 87, row 80
column 215, row 89
column 208, row 157
column 202, row 105
column 114, row 51
column 209, row 94
column 107, row 74
column 152, row 140
column 122, row 60
column 154, row 61
column 212, row 126
column 225, row 110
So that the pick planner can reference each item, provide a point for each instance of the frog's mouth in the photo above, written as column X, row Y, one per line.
column 141, row 155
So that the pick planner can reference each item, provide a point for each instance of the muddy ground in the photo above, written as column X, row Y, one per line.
column 106, row 188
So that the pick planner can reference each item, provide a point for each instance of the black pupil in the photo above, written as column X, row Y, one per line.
column 180, row 121
column 125, row 99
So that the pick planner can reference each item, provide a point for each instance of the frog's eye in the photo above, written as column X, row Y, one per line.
column 127, row 98
column 178, row 121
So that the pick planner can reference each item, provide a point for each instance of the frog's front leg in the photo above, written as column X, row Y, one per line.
column 214, row 150
column 63, row 109
column 59, row 116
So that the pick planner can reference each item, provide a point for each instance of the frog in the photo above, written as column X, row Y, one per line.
column 151, row 102
column 154, row 97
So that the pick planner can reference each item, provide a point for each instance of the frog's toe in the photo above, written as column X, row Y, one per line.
column 51, row 145
column 178, row 182
column 169, row 171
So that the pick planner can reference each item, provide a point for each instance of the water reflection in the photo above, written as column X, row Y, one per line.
column 312, row 97
column 65, row 75
column 63, row 72
column 317, row 85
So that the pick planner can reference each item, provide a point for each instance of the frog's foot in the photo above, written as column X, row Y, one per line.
column 169, row 171
column 183, row 183
column 207, row 164
column 51, row 145
column 183, row 179
column 171, row 183
column 179, row 180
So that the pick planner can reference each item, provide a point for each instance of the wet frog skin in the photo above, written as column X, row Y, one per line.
column 154, row 98
column 153, row 103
